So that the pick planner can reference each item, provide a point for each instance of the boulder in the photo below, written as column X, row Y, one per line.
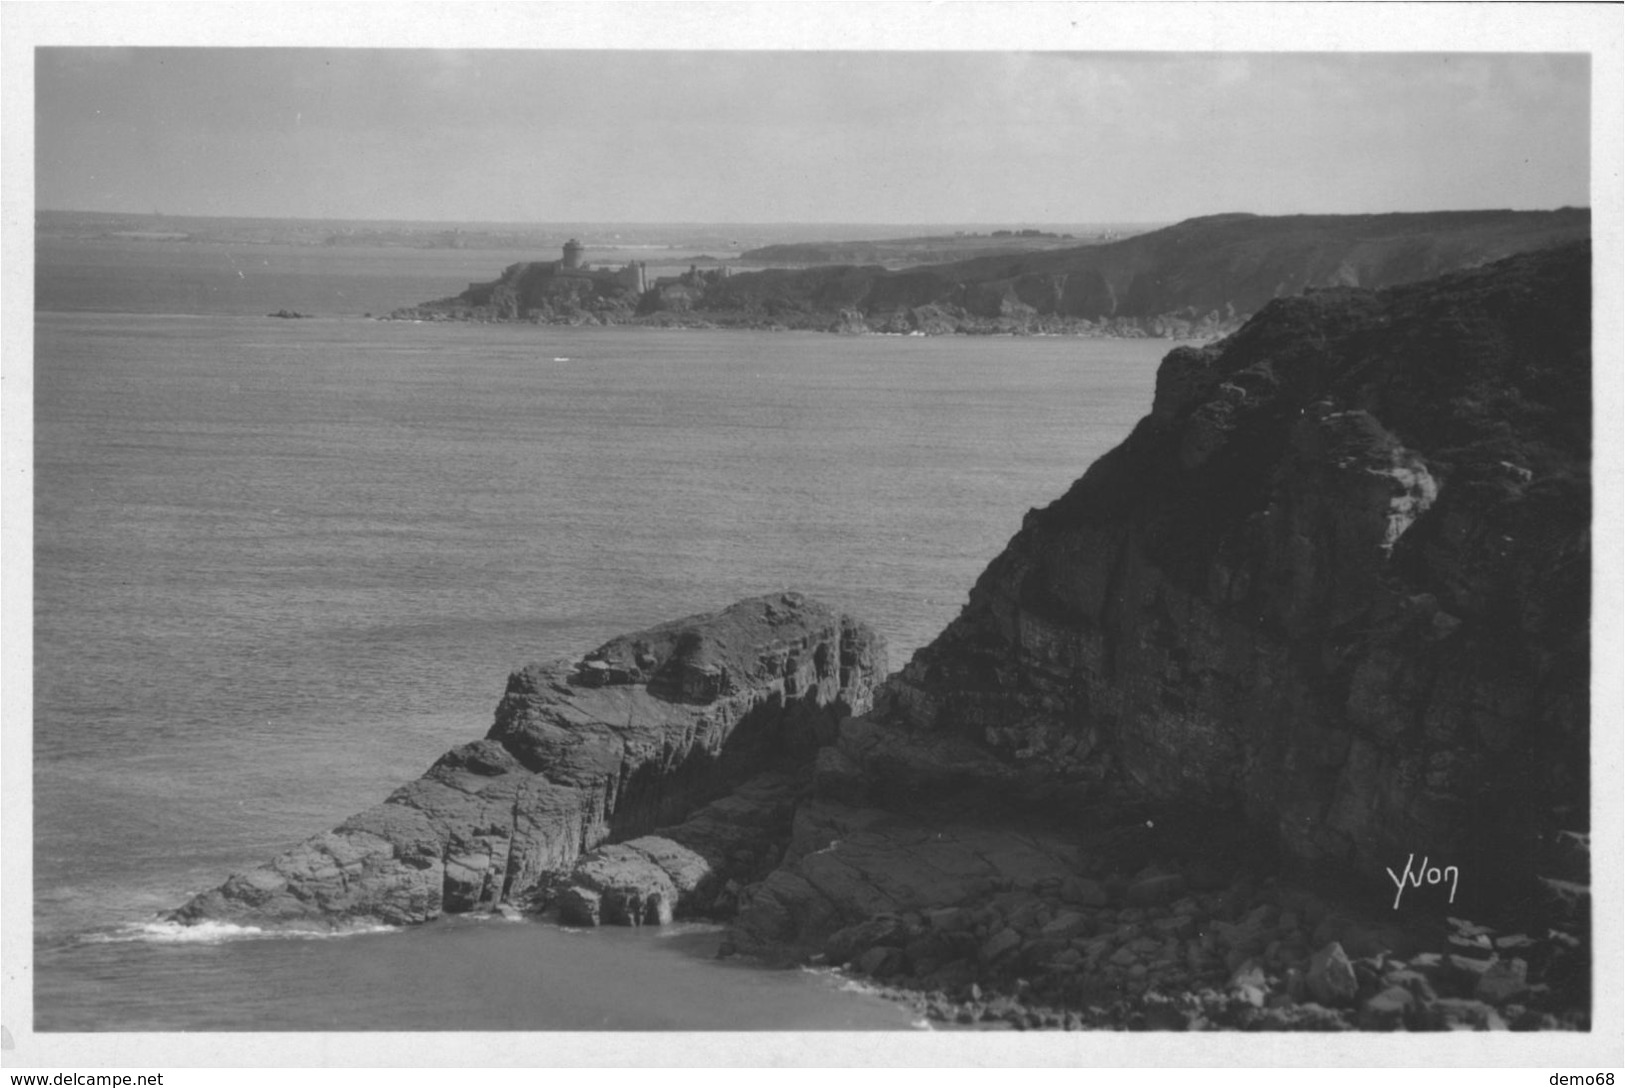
column 1002, row 942
column 1330, row 977
column 1502, row 982
column 687, row 868
column 1249, row 983
column 580, row 906
column 1386, row 1010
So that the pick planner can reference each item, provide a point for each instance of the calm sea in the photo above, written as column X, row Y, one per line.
column 280, row 566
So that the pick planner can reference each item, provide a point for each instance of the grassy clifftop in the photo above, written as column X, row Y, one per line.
column 1210, row 271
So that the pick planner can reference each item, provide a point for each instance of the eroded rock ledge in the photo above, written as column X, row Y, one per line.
column 642, row 733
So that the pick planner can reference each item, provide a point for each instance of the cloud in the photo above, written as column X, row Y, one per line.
column 844, row 136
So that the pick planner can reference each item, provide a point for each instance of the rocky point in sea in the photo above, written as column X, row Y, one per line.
column 1198, row 753
column 666, row 748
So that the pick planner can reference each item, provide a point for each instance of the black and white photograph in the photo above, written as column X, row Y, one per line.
column 998, row 528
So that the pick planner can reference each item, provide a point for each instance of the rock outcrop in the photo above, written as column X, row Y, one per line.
column 536, row 291
column 642, row 733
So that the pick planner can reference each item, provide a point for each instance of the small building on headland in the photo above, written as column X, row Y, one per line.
column 570, row 281
column 633, row 275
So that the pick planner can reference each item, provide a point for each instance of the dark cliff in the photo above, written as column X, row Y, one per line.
column 1320, row 620
column 1338, row 580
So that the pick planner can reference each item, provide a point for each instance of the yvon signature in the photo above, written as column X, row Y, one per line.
column 1434, row 875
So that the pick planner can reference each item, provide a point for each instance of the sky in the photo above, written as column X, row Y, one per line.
column 764, row 136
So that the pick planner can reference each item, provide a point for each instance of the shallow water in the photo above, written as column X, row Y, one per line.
column 462, row 974
column 280, row 566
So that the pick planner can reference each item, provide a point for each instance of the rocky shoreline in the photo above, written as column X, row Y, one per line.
column 1237, row 958
column 1324, row 612
column 919, row 321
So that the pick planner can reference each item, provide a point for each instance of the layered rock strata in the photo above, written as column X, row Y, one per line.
column 639, row 734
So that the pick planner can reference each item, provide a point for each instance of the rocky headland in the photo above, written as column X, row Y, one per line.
column 1278, row 719
column 666, row 748
column 1197, row 279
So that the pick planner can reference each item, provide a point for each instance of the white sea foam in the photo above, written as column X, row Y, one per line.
column 220, row 932
column 686, row 929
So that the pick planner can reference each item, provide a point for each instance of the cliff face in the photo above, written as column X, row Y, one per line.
column 641, row 733
column 1338, row 579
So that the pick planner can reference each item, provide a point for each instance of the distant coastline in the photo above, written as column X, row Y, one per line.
column 685, row 242
column 1196, row 280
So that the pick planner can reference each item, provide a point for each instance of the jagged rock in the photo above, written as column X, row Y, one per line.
column 1330, row 977
column 683, row 869
column 636, row 735
column 1083, row 892
column 580, row 906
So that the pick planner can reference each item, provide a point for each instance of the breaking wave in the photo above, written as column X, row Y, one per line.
column 221, row 932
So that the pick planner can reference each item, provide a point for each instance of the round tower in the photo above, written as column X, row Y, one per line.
column 572, row 254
